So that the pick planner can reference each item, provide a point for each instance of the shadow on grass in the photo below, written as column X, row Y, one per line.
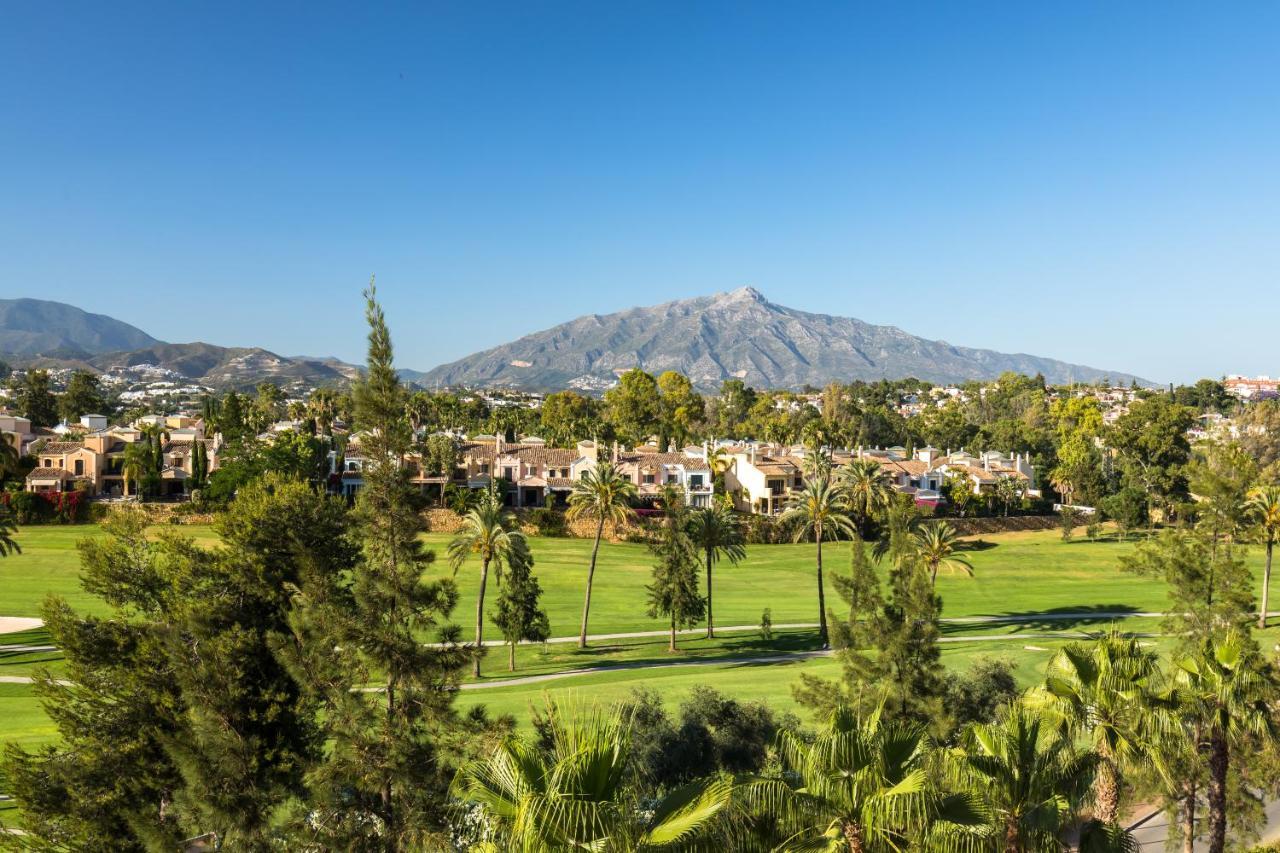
column 969, row 545
column 1054, row 619
column 652, row 651
column 29, row 637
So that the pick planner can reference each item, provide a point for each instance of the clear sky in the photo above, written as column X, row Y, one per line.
column 1097, row 183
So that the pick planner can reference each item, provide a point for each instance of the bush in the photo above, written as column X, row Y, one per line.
column 711, row 733
column 763, row 530
column 47, row 507
column 549, row 522
column 975, row 696
column 27, row 508
column 1068, row 518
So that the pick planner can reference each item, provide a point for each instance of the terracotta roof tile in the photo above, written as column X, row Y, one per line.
column 48, row 474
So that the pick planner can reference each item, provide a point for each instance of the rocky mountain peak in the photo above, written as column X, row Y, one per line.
column 741, row 295
column 739, row 334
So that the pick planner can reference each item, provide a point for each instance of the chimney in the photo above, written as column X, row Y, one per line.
column 752, row 454
column 614, row 457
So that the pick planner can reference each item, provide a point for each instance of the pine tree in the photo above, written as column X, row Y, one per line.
column 861, row 591
column 114, row 704
column 231, row 418
column 674, row 592
column 517, row 612
column 891, row 657
column 250, row 732
column 383, row 785
column 180, row 717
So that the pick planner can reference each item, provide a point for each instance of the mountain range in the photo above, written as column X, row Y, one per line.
column 740, row 334
column 40, row 333
column 30, row 327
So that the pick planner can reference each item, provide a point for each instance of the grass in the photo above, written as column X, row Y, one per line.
column 1031, row 575
column 768, row 682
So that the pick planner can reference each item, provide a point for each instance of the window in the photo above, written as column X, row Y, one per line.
column 484, row 468
column 695, row 481
column 508, row 473
column 648, row 479
column 79, row 467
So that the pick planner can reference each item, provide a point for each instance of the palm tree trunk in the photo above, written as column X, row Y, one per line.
column 1106, row 790
column 591, row 574
column 1218, row 762
column 1266, row 585
column 1189, row 818
column 853, row 836
column 1012, row 836
column 711, row 625
column 484, row 578
column 822, row 599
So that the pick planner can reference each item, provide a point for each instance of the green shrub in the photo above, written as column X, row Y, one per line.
column 549, row 522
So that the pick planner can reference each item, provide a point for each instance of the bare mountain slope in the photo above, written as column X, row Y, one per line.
column 738, row 334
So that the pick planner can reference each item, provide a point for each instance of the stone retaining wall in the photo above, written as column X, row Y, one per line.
column 1000, row 524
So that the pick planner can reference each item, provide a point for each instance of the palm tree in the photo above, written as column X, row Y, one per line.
column 1030, row 781
column 8, row 528
column 936, row 544
column 1225, row 686
column 1263, row 507
column 323, row 405
column 715, row 530
column 819, row 510
column 136, row 464
column 603, row 493
column 485, row 532
column 1101, row 691
column 868, row 487
column 719, row 461
column 8, row 459
column 578, row 793
column 862, row 784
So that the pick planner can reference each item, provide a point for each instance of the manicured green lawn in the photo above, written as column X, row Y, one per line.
column 768, row 682
column 21, row 719
column 1021, row 573
column 1029, row 574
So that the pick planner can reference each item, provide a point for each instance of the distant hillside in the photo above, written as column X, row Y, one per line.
column 228, row 366
column 30, row 327
column 739, row 334
column 52, row 334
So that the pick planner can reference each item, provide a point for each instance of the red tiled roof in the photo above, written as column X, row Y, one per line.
column 48, row 474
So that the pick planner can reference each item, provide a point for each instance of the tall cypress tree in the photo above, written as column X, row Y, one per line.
column 674, row 592
column 517, row 612
column 378, row 651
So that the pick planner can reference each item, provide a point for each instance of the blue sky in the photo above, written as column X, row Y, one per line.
column 1097, row 183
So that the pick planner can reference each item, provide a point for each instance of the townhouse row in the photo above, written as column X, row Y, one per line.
column 536, row 473
column 92, row 457
column 761, row 477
